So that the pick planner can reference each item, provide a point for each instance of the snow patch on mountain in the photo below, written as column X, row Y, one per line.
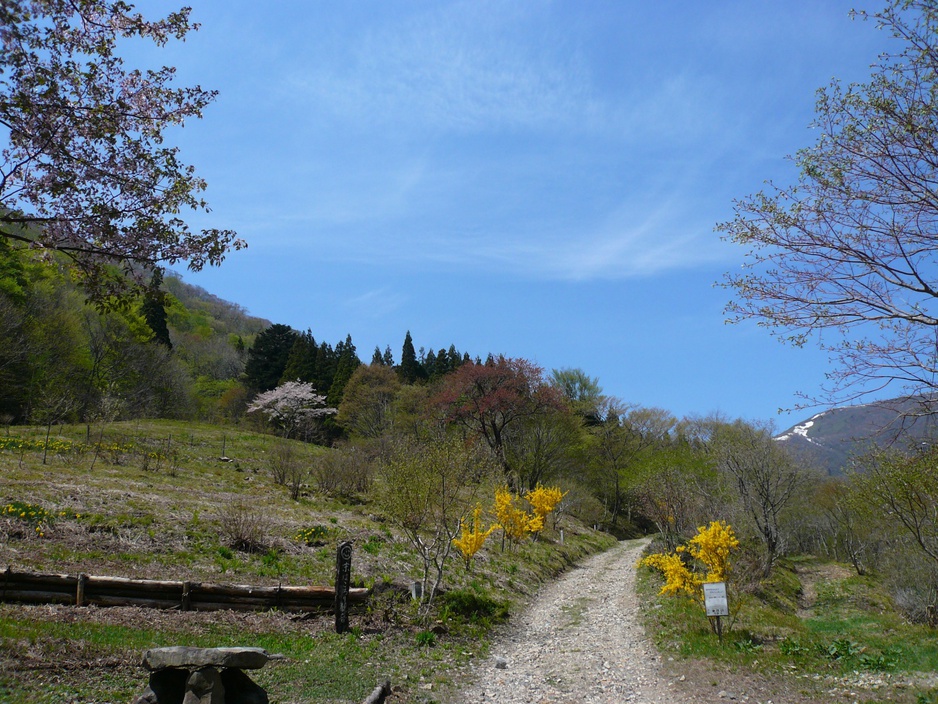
column 802, row 430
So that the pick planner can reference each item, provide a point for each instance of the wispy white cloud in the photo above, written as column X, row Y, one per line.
column 376, row 303
column 627, row 245
column 462, row 67
column 429, row 90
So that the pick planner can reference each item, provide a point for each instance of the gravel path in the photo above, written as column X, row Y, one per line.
column 580, row 641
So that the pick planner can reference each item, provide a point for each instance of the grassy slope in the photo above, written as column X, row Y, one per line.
column 167, row 523
column 812, row 633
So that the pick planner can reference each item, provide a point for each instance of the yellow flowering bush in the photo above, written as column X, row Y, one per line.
column 676, row 575
column 544, row 500
column 472, row 539
column 515, row 522
column 710, row 548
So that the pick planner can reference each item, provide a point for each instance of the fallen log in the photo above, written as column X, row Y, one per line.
column 36, row 596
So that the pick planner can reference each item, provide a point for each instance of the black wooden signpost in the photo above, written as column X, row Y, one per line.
column 343, row 579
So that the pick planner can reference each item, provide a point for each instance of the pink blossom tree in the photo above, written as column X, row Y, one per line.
column 291, row 405
column 84, row 169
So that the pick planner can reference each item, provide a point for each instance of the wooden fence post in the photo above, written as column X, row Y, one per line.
column 80, row 590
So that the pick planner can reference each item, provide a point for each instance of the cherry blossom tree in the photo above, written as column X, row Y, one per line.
column 84, row 169
column 291, row 405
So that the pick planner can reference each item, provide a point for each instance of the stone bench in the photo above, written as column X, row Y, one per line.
column 184, row 675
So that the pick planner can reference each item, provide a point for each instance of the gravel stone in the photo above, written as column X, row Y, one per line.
column 580, row 642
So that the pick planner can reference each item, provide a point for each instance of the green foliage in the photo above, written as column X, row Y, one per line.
column 903, row 487
column 366, row 408
column 374, row 544
column 472, row 606
column 425, row 639
column 64, row 361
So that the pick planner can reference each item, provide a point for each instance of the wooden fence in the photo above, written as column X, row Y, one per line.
column 82, row 589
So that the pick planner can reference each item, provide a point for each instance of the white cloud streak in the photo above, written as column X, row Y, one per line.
column 458, row 68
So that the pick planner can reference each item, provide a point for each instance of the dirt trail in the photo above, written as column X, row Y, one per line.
column 580, row 641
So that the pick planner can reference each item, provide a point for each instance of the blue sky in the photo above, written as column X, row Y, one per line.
column 538, row 179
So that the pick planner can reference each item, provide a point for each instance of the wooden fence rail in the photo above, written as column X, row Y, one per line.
column 82, row 589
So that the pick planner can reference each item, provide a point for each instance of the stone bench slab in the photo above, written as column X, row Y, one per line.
column 186, row 657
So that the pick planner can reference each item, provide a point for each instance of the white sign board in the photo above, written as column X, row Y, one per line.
column 715, row 599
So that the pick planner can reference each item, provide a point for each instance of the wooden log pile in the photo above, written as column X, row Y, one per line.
column 82, row 590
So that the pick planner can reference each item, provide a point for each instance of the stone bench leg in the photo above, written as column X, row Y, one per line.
column 204, row 686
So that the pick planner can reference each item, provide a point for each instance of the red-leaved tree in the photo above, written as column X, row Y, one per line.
column 490, row 398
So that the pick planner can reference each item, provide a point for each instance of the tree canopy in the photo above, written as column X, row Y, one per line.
column 490, row 398
column 84, row 169
column 850, row 249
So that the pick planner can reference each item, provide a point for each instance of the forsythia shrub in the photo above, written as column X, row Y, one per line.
column 544, row 500
column 515, row 522
column 711, row 547
column 471, row 540
column 676, row 575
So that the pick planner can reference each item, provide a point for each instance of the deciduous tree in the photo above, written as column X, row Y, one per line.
column 290, row 405
column 490, row 398
column 366, row 405
column 766, row 478
column 545, row 446
column 84, row 167
column 427, row 488
column 847, row 255
column 582, row 391
column 903, row 488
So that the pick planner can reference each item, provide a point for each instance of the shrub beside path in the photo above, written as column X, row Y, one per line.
column 581, row 641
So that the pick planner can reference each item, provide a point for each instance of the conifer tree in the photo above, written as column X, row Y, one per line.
column 410, row 367
column 325, row 366
column 347, row 362
column 301, row 364
column 430, row 365
column 153, row 309
column 268, row 357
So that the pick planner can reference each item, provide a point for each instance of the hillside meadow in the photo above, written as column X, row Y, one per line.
column 172, row 500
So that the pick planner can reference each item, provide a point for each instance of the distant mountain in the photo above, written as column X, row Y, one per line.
column 829, row 439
